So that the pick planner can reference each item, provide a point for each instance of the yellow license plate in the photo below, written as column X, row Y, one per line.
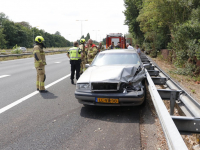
column 107, row 100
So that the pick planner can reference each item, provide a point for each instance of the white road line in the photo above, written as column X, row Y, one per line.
column 57, row 62
column 29, row 96
column 4, row 76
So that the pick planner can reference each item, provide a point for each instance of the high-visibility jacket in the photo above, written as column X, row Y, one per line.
column 74, row 53
column 101, row 49
column 111, row 47
column 39, row 56
column 84, row 53
column 117, row 47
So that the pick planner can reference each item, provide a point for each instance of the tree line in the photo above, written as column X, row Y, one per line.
column 167, row 24
column 23, row 34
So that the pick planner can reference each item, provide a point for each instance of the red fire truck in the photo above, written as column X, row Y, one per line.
column 116, row 37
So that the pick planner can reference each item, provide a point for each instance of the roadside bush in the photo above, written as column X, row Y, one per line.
column 16, row 50
column 2, row 51
column 189, row 69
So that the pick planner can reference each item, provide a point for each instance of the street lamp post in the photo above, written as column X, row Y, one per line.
column 81, row 25
column 96, row 33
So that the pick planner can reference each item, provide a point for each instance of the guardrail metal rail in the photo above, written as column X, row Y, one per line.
column 172, row 125
column 11, row 55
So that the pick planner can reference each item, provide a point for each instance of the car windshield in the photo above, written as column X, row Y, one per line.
column 116, row 59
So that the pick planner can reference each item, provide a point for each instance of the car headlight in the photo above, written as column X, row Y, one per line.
column 83, row 86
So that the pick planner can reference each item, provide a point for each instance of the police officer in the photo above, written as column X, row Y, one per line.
column 75, row 60
column 83, row 59
column 40, row 63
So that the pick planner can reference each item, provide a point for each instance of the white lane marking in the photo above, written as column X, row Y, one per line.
column 4, row 76
column 57, row 62
column 30, row 95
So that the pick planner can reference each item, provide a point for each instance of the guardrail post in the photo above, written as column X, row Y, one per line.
column 172, row 102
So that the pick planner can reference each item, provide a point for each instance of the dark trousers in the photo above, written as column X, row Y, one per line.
column 75, row 66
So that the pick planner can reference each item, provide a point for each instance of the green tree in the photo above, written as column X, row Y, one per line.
column 87, row 37
column 22, row 34
column 57, row 33
column 3, row 17
column 2, row 39
column 131, row 13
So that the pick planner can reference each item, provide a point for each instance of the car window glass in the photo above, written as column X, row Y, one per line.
column 115, row 59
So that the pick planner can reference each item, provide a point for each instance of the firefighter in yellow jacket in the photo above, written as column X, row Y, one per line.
column 92, row 51
column 101, row 47
column 83, row 58
column 40, row 62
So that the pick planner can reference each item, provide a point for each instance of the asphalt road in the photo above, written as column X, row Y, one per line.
column 55, row 120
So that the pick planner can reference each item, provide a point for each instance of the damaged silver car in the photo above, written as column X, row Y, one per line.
column 115, row 78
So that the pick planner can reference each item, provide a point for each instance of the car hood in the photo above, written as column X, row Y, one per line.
column 111, row 74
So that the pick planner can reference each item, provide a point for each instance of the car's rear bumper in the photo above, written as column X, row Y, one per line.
column 134, row 98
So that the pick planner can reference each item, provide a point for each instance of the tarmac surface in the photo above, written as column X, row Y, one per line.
column 56, row 120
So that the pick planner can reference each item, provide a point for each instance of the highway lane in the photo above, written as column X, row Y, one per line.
column 56, row 120
column 22, row 79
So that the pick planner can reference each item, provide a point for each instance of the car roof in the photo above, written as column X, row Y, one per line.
column 120, row 51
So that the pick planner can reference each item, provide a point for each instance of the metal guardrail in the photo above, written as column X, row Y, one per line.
column 172, row 125
column 191, row 106
column 173, row 137
column 13, row 55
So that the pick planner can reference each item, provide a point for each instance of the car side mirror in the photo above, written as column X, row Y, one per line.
column 87, row 65
column 147, row 66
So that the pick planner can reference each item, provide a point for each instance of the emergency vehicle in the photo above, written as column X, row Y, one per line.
column 116, row 37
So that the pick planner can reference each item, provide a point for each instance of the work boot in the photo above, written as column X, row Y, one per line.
column 72, row 81
column 43, row 91
column 37, row 89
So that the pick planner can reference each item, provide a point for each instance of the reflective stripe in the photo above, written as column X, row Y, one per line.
column 37, row 83
column 36, row 51
column 41, row 83
column 37, row 63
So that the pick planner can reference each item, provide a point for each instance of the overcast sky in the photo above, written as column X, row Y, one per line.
column 61, row 15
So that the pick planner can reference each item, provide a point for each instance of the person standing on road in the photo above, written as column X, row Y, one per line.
column 101, row 47
column 138, row 50
column 83, row 57
column 75, row 60
column 40, row 62
column 92, row 51
column 118, row 46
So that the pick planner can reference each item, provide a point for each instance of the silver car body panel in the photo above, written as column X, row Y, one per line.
column 127, row 73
